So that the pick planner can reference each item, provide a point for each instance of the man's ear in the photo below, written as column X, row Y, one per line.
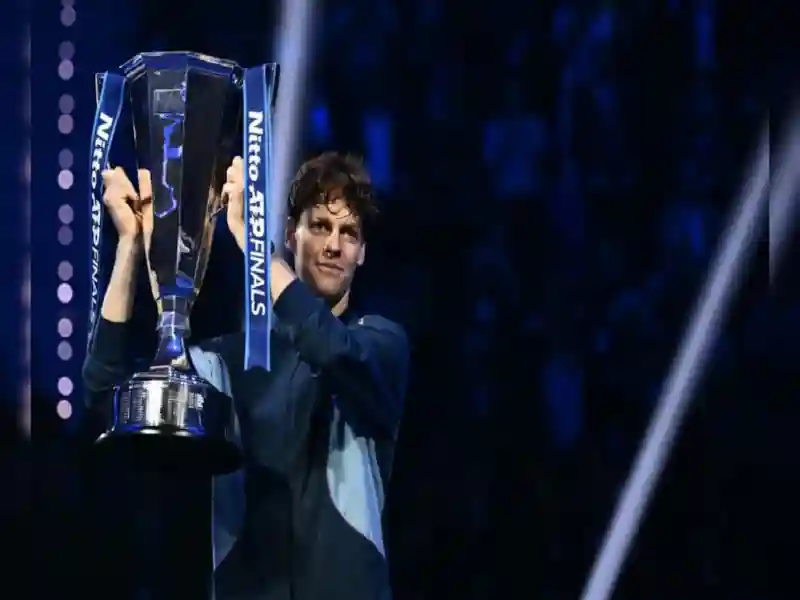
column 362, row 255
column 291, row 235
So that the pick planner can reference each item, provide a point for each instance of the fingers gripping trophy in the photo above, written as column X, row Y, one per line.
column 186, row 110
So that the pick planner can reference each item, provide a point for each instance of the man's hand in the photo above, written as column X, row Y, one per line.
column 130, row 212
column 132, row 215
column 233, row 198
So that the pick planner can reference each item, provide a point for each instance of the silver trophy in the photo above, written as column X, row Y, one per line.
column 186, row 111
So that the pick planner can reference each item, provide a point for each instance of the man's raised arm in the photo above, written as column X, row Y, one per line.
column 107, row 362
column 366, row 364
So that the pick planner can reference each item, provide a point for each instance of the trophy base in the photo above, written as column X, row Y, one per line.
column 170, row 420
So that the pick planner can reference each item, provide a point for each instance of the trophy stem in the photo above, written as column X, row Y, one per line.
column 173, row 328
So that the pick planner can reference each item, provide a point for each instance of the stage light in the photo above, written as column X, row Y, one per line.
column 66, row 214
column 65, row 386
column 65, row 179
column 64, row 293
column 65, row 124
column 66, row 70
column 64, row 350
column 24, row 415
column 66, row 50
column 64, row 409
column 736, row 249
column 65, row 327
column 64, row 235
column 65, row 270
column 66, row 104
column 66, row 159
column 68, row 16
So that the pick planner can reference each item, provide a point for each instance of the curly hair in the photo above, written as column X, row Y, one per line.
column 328, row 177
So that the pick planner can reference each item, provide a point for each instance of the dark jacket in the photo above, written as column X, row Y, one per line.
column 302, row 519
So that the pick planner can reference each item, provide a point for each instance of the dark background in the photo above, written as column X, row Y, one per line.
column 554, row 179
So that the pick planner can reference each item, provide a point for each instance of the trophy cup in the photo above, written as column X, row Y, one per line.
column 186, row 110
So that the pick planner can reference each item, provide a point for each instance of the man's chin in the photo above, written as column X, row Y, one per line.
column 327, row 290
column 330, row 288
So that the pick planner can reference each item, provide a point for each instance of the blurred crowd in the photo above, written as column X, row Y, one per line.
column 555, row 178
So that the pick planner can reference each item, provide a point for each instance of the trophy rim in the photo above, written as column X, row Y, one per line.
column 164, row 375
column 138, row 63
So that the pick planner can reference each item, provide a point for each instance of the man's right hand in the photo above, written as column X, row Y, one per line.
column 131, row 213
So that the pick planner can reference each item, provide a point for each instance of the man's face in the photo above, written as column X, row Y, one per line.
column 328, row 246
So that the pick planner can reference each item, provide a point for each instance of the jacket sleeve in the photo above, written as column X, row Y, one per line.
column 107, row 363
column 366, row 364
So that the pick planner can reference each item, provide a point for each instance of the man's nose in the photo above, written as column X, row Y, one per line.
column 332, row 244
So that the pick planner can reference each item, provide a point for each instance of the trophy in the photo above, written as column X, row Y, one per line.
column 186, row 110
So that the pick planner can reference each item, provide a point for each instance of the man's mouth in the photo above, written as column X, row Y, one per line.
column 331, row 268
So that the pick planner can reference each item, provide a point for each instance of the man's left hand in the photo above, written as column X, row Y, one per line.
column 233, row 198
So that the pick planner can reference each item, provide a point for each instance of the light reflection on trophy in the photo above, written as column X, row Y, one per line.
column 186, row 110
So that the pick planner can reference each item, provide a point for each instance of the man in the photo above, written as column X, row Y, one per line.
column 318, row 431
